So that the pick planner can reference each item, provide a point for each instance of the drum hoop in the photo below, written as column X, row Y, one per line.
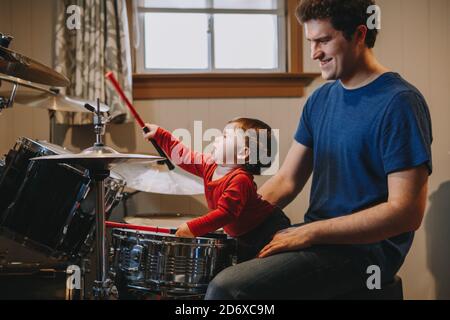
column 147, row 236
column 172, row 286
column 32, row 244
column 36, row 146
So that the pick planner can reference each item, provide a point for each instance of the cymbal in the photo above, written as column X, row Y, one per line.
column 47, row 99
column 17, row 65
column 24, row 83
column 98, row 158
column 55, row 102
column 157, row 178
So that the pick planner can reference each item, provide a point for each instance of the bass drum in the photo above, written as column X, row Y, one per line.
column 50, row 206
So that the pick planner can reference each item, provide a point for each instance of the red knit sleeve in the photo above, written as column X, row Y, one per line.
column 229, row 207
column 191, row 161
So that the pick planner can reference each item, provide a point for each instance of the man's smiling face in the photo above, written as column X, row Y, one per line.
column 336, row 55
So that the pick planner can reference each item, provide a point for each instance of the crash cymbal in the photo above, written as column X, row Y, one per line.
column 17, row 65
column 157, row 178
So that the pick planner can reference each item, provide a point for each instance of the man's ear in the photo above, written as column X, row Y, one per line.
column 361, row 34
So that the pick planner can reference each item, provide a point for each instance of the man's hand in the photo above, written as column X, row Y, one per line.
column 153, row 128
column 184, row 231
column 288, row 240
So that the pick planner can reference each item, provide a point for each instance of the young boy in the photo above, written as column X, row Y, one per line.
column 230, row 191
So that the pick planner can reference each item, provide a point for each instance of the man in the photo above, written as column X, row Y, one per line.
column 366, row 138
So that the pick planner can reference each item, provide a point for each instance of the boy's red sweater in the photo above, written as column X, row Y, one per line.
column 233, row 199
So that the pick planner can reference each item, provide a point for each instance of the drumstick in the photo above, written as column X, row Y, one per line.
column 110, row 224
column 115, row 83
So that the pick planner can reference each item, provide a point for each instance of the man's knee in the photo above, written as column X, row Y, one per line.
column 222, row 287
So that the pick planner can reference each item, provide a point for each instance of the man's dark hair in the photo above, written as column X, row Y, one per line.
column 345, row 15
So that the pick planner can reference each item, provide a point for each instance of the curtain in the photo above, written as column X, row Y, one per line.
column 84, row 53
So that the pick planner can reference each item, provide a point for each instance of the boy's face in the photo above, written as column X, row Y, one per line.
column 335, row 54
column 230, row 149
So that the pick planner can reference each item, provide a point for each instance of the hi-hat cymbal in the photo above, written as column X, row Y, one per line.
column 98, row 157
column 157, row 178
column 55, row 102
column 17, row 65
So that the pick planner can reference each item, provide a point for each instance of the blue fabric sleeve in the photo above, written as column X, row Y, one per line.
column 406, row 133
column 304, row 134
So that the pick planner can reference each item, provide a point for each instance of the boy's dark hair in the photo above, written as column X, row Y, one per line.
column 262, row 146
column 345, row 15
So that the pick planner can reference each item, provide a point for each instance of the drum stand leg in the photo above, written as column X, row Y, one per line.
column 51, row 116
column 103, row 287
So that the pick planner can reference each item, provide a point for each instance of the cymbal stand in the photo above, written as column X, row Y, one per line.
column 51, row 117
column 103, row 287
column 5, row 40
column 6, row 103
column 125, row 197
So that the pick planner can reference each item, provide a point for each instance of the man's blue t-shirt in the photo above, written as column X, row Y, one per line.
column 358, row 138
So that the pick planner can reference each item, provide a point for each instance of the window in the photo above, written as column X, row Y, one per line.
column 217, row 49
column 212, row 36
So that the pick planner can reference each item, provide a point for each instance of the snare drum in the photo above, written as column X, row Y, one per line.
column 50, row 206
column 166, row 264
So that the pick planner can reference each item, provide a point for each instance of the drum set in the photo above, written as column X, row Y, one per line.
column 56, row 204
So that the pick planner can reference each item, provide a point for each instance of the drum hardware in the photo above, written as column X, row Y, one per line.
column 6, row 103
column 5, row 40
column 7, row 99
column 125, row 197
column 2, row 167
column 98, row 161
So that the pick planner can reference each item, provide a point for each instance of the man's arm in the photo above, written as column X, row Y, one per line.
column 403, row 212
column 282, row 188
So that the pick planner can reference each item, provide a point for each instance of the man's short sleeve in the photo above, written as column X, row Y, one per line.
column 406, row 133
column 304, row 134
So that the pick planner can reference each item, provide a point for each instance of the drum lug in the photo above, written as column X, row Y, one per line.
column 135, row 258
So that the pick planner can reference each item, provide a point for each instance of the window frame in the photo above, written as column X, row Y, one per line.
column 185, row 85
column 281, row 36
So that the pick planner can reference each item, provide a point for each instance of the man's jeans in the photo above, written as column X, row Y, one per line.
column 319, row 272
